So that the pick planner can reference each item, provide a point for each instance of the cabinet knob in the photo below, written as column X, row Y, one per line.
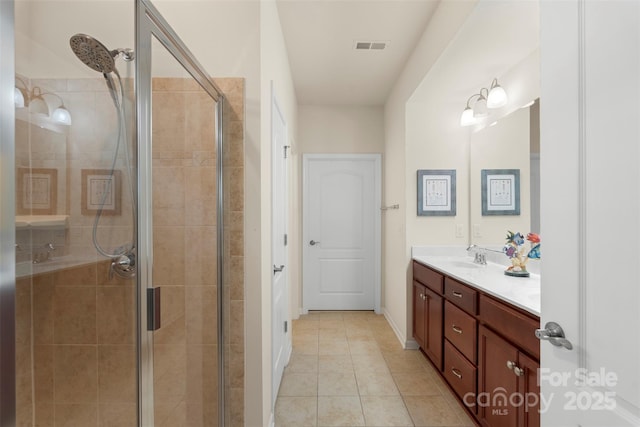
column 518, row 371
column 510, row 365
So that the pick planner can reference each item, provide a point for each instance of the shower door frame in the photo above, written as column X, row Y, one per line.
column 7, row 217
column 149, row 24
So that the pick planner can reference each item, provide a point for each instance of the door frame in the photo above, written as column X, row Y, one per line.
column 377, row 159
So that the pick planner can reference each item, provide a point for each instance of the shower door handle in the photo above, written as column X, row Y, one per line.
column 277, row 269
column 153, row 309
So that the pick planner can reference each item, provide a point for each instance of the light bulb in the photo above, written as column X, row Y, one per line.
column 62, row 116
column 38, row 106
column 18, row 98
column 497, row 97
column 480, row 108
column 467, row 117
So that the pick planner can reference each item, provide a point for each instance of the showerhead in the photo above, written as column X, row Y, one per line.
column 96, row 55
column 93, row 53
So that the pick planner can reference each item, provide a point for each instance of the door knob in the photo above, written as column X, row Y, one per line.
column 553, row 333
column 313, row 243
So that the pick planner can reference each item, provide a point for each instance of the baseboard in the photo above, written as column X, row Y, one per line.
column 406, row 344
column 411, row 344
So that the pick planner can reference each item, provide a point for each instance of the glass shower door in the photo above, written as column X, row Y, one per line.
column 184, row 195
column 74, row 206
column 180, row 242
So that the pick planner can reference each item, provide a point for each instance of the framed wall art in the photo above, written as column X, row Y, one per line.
column 100, row 189
column 37, row 191
column 436, row 192
column 500, row 191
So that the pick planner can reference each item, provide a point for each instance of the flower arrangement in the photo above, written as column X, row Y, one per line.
column 519, row 254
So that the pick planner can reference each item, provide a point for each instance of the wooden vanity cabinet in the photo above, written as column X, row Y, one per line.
column 428, row 305
column 507, row 377
column 507, row 372
column 470, row 337
column 427, row 322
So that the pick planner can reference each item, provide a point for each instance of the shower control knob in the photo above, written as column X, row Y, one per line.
column 123, row 261
column 124, row 266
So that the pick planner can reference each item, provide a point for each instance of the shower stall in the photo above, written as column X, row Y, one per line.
column 116, row 151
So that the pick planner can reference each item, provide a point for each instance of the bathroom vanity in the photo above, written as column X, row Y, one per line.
column 477, row 326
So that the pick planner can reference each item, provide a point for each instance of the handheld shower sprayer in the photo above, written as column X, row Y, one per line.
column 96, row 56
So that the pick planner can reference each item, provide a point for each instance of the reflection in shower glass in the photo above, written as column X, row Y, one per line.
column 75, row 318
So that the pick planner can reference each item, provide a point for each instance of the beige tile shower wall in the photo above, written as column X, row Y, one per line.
column 233, row 160
column 75, row 337
column 185, row 189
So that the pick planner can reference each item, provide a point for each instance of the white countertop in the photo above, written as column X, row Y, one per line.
column 522, row 292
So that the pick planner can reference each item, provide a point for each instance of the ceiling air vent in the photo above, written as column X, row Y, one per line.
column 370, row 45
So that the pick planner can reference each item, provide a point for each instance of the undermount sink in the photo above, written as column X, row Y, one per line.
column 464, row 264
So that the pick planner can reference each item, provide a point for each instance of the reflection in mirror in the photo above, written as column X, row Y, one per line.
column 513, row 142
column 41, row 191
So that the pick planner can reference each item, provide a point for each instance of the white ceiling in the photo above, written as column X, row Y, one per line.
column 320, row 37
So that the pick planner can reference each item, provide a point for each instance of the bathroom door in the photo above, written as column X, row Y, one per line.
column 341, row 232
column 180, row 233
column 280, row 327
column 590, row 218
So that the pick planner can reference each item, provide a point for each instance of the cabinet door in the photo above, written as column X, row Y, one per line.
column 529, row 387
column 433, row 329
column 497, row 383
column 419, row 323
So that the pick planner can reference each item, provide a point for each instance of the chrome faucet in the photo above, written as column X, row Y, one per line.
column 479, row 254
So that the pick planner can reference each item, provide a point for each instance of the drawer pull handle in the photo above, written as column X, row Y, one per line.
column 456, row 372
column 456, row 329
column 457, row 294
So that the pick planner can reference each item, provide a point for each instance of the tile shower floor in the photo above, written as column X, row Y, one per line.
column 349, row 369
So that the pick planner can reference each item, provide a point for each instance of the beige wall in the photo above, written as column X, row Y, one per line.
column 464, row 47
column 341, row 129
column 275, row 79
column 396, row 252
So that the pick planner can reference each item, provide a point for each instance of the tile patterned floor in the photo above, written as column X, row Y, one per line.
column 349, row 369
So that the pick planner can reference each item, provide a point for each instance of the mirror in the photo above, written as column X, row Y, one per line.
column 511, row 143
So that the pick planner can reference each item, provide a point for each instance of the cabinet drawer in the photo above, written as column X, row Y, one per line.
column 460, row 330
column 512, row 324
column 428, row 277
column 460, row 374
column 461, row 295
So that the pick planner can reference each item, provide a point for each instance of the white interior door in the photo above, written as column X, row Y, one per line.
column 590, row 188
column 281, row 337
column 341, row 232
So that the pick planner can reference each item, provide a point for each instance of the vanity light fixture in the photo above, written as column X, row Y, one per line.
column 34, row 99
column 486, row 99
